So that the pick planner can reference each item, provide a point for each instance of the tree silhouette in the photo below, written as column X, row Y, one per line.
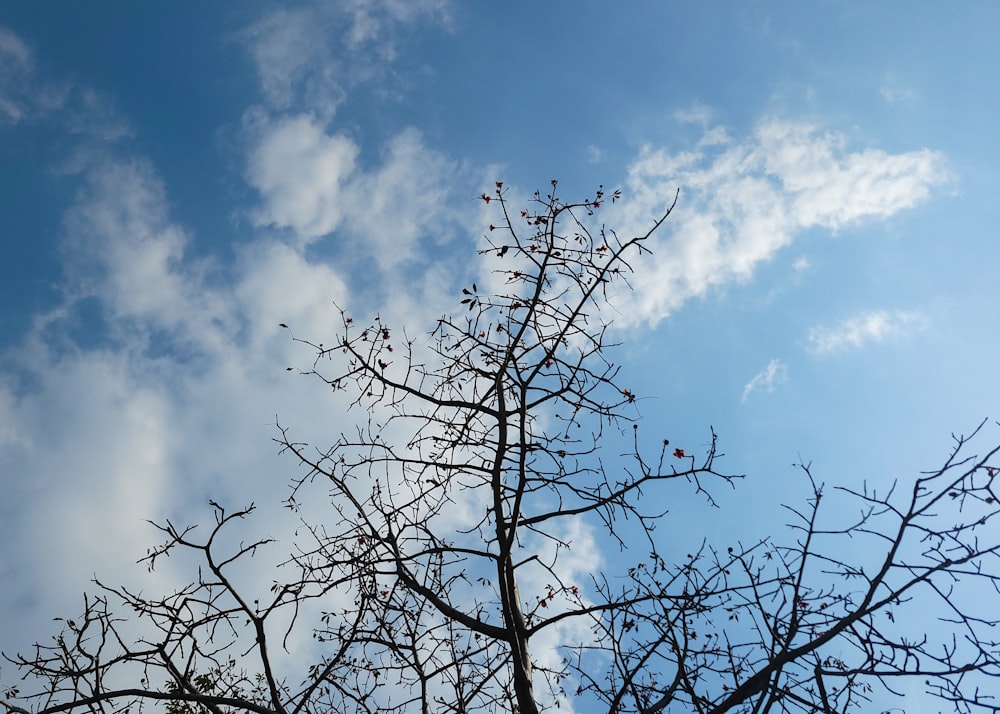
column 446, row 575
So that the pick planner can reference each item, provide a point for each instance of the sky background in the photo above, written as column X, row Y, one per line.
column 177, row 179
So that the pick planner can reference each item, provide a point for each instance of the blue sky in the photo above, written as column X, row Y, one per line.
column 178, row 179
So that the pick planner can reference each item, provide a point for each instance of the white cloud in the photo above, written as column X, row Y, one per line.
column 403, row 199
column 310, row 176
column 171, row 402
column 742, row 201
column 716, row 136
column 122, row 244
column 76, row 470
column 266, row 271
column 299, row 171
column 312, row 55
column 767, row 379
column 832, row 188
column 310, row 182
column 294, row 61
column 854, row 332
column 172, row 399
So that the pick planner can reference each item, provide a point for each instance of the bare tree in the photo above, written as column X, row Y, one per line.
column 484, row 460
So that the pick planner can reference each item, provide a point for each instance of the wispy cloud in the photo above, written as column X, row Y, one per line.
column 767, row 379
column 693, row 114
column 893, row 92
column 16, row 65
column 14, row 48
column 294, row 61
column 376, row 20
column 310, row 56
column 744, row 200
column 894, row 95
column 856, row 331
column 27, row 97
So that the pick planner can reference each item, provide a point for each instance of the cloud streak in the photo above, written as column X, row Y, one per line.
column 767, row 379
column 858, row 330
column 743, row 201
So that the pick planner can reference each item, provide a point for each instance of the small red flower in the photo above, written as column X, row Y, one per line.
column 499, row 185
column 486, row 198
column 543, row 603
column 548, row 362
column 679, row 453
